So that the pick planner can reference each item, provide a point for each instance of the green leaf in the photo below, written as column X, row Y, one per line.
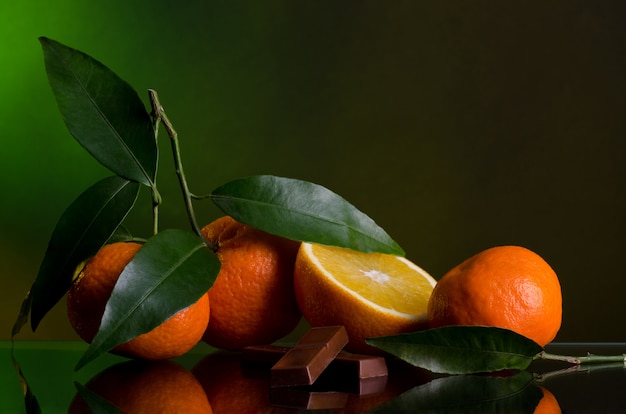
column 302, row 211
column 83, row 228
column 97, row 404
column 461, row 349
column 169, row 273
column 469, row 394
column 22, row 317
column 102, row 111
column 122, row 234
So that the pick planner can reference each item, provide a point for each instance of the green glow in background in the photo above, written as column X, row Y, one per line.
column 456, row 125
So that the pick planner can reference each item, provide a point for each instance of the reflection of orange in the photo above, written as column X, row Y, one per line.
column 548, row 404
column 228, row 389
column 147, row 387
column 506, row 286
column 87, row 299
column 252, row 299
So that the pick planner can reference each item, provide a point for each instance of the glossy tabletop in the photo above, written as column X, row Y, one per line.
column 48, row 369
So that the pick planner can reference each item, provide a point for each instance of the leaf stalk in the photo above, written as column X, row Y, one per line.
column 159, row 115
column 588, row 359
column 156, row 197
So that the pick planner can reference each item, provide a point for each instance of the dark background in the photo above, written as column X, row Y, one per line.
column 456, row 125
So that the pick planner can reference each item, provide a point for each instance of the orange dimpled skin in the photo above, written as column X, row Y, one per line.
column 252, row 300
column 90, row 292
column 174, row 337
column 509, row 287
column 87, row 298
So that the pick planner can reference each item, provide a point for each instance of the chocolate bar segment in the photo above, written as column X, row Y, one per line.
column 348, row 366
column 305, row 362
column 359, row 366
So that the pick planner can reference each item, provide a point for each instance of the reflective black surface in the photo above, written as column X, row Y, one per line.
column 48, row 369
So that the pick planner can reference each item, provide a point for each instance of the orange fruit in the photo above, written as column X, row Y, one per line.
column 548, row 404
column 91, row 290
column 509, row 287
column 252, row 298
column 371, row 294
column 147, row 387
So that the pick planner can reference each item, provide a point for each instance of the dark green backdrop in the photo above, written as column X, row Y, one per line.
column 456, row 125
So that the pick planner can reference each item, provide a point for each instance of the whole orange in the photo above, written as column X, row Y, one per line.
column 252, row 300
column 509, row 287
column 91, row 290
column 147, row 387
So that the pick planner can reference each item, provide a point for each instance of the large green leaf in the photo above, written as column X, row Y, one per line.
column 169, row 273
column 461, row 349
column 102, row 111
column 469, row 394
column 83, row 228
column 303, row 211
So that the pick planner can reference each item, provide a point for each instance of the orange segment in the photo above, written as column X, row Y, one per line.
column 390, row 283
column 371, row 294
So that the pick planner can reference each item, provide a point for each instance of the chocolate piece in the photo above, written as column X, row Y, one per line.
column 359, row 366
column 348, row 366
column 351, row 373
column 303, row 364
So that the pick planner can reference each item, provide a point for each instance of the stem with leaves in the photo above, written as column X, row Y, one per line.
column 156, row 197
column 159, row 116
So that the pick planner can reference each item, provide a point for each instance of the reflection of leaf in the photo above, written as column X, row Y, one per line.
column 461, row 349
column 469, row 394
column 169, row 273
column 103, row 112
column 82, row 229
column 96, row 403
column 302, row 211
column 30, row 401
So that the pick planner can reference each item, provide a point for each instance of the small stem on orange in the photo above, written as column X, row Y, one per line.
column 200, row 197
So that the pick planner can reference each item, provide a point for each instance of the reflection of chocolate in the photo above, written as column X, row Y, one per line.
column 305, row 362
column 307, row 400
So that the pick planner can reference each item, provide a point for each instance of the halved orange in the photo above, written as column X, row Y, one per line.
column 371, row 294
